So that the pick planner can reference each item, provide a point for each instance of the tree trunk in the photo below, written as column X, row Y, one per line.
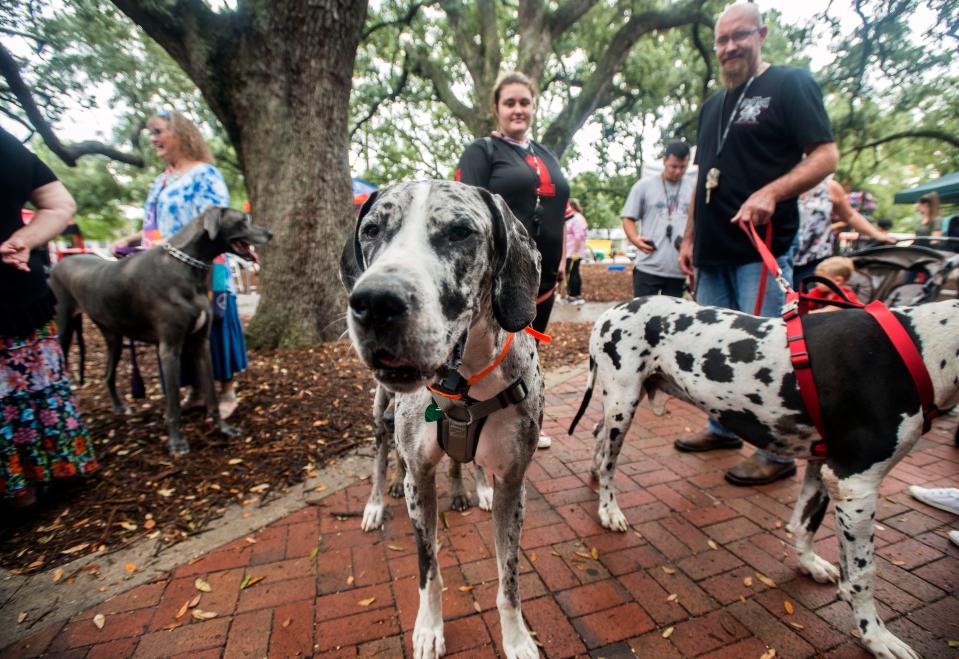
column 278, row 76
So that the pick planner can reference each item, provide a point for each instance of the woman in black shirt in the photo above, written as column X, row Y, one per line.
column 528, row 177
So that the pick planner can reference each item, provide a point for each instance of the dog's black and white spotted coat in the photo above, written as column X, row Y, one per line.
column 736, row 367
column 430, row 262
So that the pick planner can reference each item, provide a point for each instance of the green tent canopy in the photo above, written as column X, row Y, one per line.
column 947, row 186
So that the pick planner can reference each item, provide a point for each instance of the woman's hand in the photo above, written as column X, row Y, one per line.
column 15, row 252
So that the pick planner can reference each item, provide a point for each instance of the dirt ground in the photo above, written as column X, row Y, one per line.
column 298, row 409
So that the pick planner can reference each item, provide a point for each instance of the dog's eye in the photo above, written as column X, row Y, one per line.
column 370, row 231
column 460, row 232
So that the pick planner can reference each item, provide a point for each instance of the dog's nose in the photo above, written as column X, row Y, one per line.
column 375, row 307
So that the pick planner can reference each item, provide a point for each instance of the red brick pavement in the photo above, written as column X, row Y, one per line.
column 331, row 590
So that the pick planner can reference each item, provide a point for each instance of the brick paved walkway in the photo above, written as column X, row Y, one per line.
column 328, row 589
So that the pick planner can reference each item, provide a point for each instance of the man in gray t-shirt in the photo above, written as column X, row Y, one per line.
column 660, row 204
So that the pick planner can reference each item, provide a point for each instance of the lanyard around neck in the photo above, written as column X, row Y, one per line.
column 724, row 133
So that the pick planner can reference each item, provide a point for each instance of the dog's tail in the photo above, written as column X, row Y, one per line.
column 587, row 395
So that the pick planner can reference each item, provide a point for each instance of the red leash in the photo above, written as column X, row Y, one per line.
column 797, row 305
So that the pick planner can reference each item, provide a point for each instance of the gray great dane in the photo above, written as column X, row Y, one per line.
column 737, row 368
column 435, row 262
column 160, row 296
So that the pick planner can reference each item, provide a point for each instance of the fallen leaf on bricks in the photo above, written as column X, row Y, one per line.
column 795, row 625
column 130, row 568
column 367, row 601
column 766, row 580
column 477, row 607
column 667, row 632
column 183, row 610
column 532, row 557
column 669, row 570
column 395, row 548
column 748, row 582
column 193, row 602
column 712, row 544
column 202, row 585
column 672, row 598
column 57, row 575
column 465, row 589
column 286, row 623
column 203, row 615
column 99, row 620
column 788, row 606
column 23, row 616
column 349, row 580
column 769, row 654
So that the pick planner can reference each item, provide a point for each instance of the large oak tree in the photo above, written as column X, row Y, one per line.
column 278, row 76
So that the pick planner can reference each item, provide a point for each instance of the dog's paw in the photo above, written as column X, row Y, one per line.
column 612, row 518
column 886, row 645
column 372, row 516
column 227, row 429
column 428, row 641
column 459, row 502
column 179, row 447
column 819, row 568
column 523, row 648
column 484, row 496
column 396, row 489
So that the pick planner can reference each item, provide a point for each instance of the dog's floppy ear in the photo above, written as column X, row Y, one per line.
column 212, row 219
column 515, row 267
column 351, row 260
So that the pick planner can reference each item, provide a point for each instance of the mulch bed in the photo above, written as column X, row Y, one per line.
column 603, row 285
column 299, row 409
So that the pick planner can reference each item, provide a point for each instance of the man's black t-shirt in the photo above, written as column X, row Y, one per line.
column 781, row 114
column 510, row 171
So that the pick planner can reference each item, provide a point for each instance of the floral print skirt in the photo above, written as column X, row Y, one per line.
column 42, row 436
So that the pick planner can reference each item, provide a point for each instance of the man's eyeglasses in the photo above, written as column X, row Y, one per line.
column 738, row 36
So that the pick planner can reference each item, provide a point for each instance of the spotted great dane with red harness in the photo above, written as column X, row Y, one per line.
column 737, row 368
column 442, row 269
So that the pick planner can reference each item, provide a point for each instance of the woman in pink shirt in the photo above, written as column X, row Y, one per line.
column 575, row 251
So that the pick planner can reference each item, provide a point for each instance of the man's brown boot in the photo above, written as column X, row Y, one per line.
column 757, row 470
column 704, row 440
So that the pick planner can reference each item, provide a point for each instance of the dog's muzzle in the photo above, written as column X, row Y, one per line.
column 381, row 316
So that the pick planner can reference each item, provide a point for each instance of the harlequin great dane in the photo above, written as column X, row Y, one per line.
column 444, row 267
column 737, row 368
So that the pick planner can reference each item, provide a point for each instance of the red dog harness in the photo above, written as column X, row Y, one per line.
column 797, row 305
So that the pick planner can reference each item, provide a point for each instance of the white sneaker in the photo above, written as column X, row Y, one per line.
column 943, row 498
column 954, row 536
column 544, row 442
column 578, row 300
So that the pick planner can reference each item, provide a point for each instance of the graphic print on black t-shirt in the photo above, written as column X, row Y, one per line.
column 781, row 114
column 510, row 171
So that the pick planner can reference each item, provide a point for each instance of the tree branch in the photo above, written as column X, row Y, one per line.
column 392, row 96
column 68, row 153
column 596, row 88
column 406, row 19
column 424, row 66
column 926, row 134
column 707, row 60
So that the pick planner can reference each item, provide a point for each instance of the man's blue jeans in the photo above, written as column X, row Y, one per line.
column 736, row 287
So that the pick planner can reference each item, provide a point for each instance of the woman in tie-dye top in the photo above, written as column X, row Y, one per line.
column 190, row 185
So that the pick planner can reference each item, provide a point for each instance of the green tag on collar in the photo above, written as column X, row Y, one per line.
column 433, row 413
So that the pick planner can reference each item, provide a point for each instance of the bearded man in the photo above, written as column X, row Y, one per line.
column 763, row 140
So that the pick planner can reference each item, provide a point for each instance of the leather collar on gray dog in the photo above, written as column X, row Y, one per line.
column 185, row 258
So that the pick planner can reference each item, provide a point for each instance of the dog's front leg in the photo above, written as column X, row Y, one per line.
column 374, row 509
column 200, row 349
column 459, row 499
column 806, row 518
column 509, row 507
column 170, row 361
column 420, row 486
column 855, row 501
